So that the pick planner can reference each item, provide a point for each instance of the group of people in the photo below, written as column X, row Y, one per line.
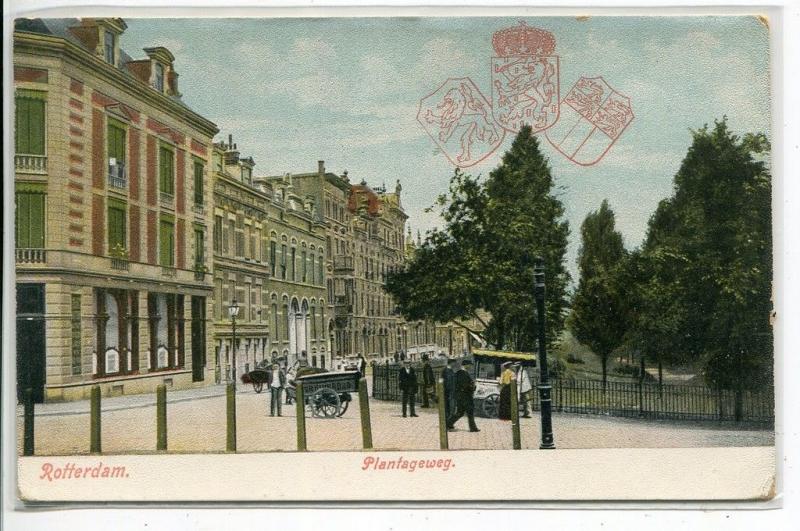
column 459, row 389
column 514, row 371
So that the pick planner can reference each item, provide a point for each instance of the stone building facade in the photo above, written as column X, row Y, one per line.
column 112, row 215
column 269, row 257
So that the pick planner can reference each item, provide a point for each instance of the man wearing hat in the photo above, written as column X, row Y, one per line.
column 464, row 389
column 408, row 387
column 524, row 388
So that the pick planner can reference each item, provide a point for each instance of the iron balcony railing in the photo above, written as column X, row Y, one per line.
column 120, row 264
column 343, row 263
column 31, row 163
column 117, row 176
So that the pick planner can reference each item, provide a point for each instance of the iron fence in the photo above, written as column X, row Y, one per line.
column 621, row 399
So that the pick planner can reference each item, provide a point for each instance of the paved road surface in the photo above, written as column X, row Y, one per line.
column 196, row 423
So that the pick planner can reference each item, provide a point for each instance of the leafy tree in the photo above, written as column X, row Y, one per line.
column 483, row 257
column 598, row 314
column 708, row 254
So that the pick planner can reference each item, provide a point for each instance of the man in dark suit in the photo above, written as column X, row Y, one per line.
column 449, row 381
column 464, row 390
column 408, row 387
column 428, row 381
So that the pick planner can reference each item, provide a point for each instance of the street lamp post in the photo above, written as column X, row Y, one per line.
column 233, row 311
column 545, row 389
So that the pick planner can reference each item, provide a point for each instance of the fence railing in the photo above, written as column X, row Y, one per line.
column 622, row 399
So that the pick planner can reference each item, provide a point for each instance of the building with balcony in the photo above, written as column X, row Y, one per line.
column 112, row 215
column 268, row 257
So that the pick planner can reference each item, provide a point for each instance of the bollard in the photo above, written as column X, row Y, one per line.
column 515, row 415
column 27, row 399
column 230, row 392
column 443, row 442
column 366, row 424
column 300, row 400
column 161, row 417
column 94, row 421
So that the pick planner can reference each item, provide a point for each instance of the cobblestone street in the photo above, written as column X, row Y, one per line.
column 196, row 423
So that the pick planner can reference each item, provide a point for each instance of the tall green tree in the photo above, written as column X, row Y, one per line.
column 599, row 318
column 709, row 256
column 483, row 256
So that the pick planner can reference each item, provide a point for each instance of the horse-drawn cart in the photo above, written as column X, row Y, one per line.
column 486, row 371
column 327, row 394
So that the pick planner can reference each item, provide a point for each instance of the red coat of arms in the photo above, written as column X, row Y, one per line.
column 593, row 116
column 459, row 119
column 525, row 88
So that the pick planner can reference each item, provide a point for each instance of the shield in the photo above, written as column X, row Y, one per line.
column 458, row 118
column 593, row 117
column 525, row 91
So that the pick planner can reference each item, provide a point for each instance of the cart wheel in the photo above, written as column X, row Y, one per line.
column 491, row 405
column 258, row 386
column 325, row 403
column 345, row 405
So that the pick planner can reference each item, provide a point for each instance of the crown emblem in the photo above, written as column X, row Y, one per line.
column 523, row 40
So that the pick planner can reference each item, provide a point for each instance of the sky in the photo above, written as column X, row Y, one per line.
column 347, row 91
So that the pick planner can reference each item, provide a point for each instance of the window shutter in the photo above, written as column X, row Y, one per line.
column 23, row 220
column 36, row 127
column 22, row 129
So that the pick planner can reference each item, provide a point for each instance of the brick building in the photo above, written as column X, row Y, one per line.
column 112, row 215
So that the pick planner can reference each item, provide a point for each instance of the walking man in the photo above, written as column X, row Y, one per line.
column 408, row 387
column 427, row 380
column 464, row 390
column 276, row 380
column 449, row 381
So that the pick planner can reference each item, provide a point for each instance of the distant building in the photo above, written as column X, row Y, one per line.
column 112, row 215
column 268, row 257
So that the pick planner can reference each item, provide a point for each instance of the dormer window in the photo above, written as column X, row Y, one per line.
column 246, row 174
column 159, row 80
column 108, row 46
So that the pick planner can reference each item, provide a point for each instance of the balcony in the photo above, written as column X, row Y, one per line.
column 166, row 199
column 31, row 256
column 120, row 264
column 342, row 306
column 200, row 271
column 117, row 176
column 31, row 163
column 169, row 271
column 199, row 209
column 343, row 264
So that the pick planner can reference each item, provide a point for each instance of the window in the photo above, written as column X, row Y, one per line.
column 286, row 328
column 217, row 234
column 159, row 80
column 319, row 271
column 199, row 254
column 30, row 219
column 283, row 262
column 217, row 162
column 253, row 302
column 30, row 122
column 229, row 234
column 273, row 251
column 276, row 321
column 108, row 47
column 166, row 170
column 313, row 280
column 198, row 182
column 247, row 174
column 253, row 249
column 116, row 228
column 293, row 264
column 304, row 261
column 166, row 238
column 116, row 153
column 264, row 245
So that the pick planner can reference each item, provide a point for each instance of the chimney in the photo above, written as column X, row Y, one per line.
column 230, row 141
column 321, row 167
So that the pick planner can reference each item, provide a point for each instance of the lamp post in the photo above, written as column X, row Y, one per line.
column 545, row 389
column 233, row 311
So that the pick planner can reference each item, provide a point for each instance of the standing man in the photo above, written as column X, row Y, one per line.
column 408, row 387
column 464, row 390
column 449, row 381
column 427, row 380
column 524, row 388
column 276, row 380
column 362, row 366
